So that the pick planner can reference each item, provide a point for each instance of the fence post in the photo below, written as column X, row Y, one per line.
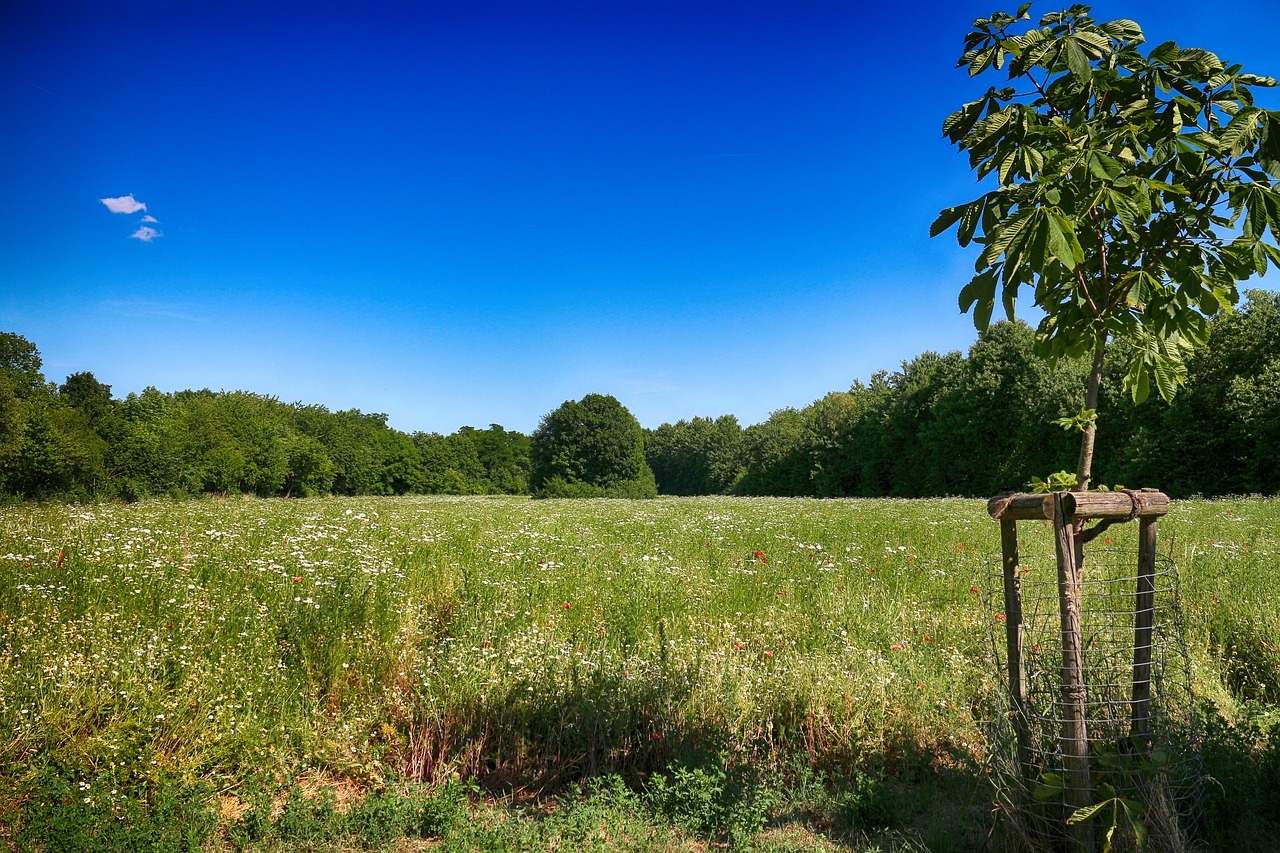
column 1075, row 736
column 1143, row 628
column 1013, row 647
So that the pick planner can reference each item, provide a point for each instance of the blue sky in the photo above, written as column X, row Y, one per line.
column 467, row 213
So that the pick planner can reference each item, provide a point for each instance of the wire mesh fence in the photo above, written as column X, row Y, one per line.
column 1144, row 772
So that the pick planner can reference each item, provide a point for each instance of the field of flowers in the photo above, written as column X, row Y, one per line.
column 528, row 645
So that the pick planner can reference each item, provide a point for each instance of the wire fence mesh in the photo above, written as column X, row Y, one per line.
column 1146, row 776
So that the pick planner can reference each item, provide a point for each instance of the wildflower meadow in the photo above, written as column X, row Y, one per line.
column 480, row 672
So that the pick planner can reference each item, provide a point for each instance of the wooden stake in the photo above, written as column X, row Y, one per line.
column 1075, row 735
column 1143, row 628
column 1013, row 648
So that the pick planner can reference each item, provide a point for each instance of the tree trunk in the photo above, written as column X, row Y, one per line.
column 1084, row 468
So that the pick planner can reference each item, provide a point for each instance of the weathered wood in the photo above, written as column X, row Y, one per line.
column 1119, row 506
column 1021, row 507
column 1075, row 735
column 1143, row 629
column 1013, row 648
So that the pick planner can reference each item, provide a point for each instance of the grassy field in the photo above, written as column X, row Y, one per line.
column 504, row 673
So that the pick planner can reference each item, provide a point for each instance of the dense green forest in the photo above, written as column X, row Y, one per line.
column 950, row 424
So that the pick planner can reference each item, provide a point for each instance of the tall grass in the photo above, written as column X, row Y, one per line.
column 531, row 644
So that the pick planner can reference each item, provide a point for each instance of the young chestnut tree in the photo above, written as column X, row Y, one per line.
column 1132, row 192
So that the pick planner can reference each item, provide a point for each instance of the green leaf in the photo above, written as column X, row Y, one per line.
column 1004, row 235
column 946, row 219
column 1079, row 422
column 988, row 127
column 982, row 60
column 1137, row 381
column 1135, row 812
column 979, row 292
column 1104, row 167
column 1169, row 372
column 1009, row 298
column 969, row 220
column 1171, row 118
column 1164, row 187
column 1122, row 29
column 1240, row 133
column 1077, row 60
column 962, row 120
column 1050, row 785
column 1063, row 242
column 982, row 285
column 1164, row 53
column 1255, row 222
column 1084, row 813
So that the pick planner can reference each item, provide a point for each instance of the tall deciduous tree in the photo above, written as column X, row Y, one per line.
column 694, row 457
column 593, row 443
column 1132, row 192
column 20, row 364
column 82, row 391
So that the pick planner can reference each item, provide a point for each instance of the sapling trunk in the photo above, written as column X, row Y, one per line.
column 1084, row 468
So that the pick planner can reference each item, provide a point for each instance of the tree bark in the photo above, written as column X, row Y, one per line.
column 1084, row 468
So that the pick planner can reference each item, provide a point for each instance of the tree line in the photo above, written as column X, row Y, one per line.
column 942, row 424
column 75, row 441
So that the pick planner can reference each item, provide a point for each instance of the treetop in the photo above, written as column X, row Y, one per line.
column 1132, row 192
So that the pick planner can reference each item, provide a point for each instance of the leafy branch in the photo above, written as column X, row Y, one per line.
column 1132, row 192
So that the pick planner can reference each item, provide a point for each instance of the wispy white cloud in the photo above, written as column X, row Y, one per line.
column 149, row 218
column 146, row 234
column 123, row 204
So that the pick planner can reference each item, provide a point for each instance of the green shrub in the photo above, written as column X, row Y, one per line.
column 308, row 819
column 713, row 802
column 643, row 488
column 383, row 817
column 446, row 808
column 558, row 487
column 1241, row 808
column 65, row 815
column 255, row 823
column 865, row 804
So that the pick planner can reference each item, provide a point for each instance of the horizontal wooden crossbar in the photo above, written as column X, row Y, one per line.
column 1119, row 506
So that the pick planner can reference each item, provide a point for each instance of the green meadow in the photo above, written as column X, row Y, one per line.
column 503, row 673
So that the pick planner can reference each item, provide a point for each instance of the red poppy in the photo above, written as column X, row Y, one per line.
column 759, row 553
column 565, row 605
